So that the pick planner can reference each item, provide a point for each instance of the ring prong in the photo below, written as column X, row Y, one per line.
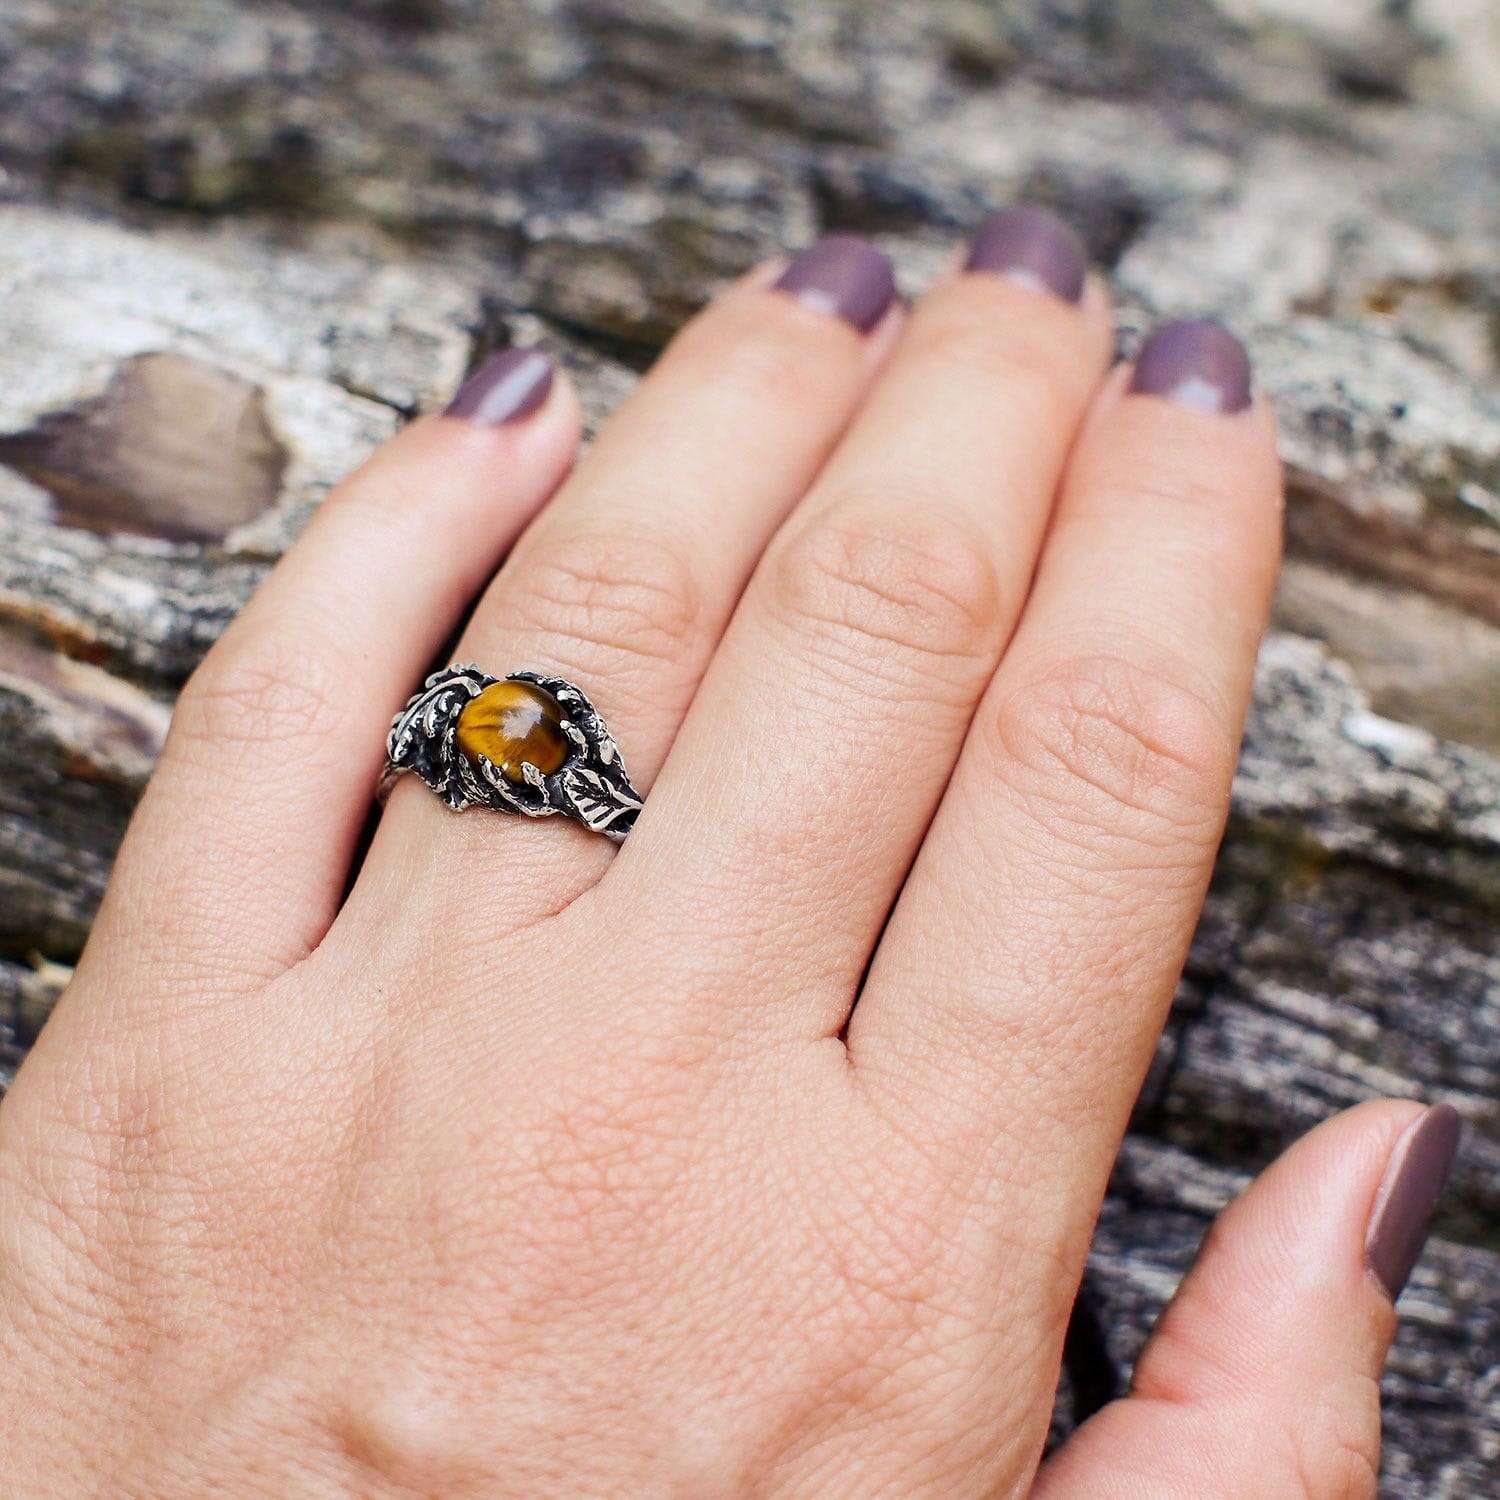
column 588, row 783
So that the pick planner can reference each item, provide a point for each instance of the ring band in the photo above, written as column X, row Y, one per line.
column 526, row 743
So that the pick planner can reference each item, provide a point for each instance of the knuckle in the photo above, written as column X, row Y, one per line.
column 1335, row 1447
column 265, row 691
column 930, row 589
column 1040, row 374
column 1176, row 484
column 400, row 1431
column 782, row 362
column 1331, row 1451
column 1105, row 742
column 598, row 597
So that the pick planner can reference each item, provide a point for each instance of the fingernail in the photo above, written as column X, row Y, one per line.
column 1409, row 1194
column 845, row 276
column 505, row 389
column 1033, row 247
column 1200, row 365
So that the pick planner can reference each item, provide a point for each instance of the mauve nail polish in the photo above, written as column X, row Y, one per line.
column 1408, row 1195
column 506, row 388
column 1033, row 247
column 845, row 276
column 1199, row 365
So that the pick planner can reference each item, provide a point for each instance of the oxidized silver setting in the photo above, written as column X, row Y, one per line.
column 591, row 786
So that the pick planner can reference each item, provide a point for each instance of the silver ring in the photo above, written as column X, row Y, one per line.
column 526, row 743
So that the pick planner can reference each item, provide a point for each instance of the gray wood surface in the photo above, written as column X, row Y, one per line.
column 240, row 243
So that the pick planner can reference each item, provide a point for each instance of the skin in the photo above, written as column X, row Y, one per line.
column 533, row 1168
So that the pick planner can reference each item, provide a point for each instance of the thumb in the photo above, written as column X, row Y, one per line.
column 1263, row 1376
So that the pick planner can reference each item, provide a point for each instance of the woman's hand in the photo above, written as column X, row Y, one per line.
column 760, row 1158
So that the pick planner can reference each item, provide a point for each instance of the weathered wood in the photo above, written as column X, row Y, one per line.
column 243, row 241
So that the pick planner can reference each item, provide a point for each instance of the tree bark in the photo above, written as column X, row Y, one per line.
column 241, row 243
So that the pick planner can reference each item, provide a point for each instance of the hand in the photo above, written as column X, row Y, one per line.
column 537, row 1169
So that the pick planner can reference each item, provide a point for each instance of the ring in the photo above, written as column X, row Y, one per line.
column 526, row 744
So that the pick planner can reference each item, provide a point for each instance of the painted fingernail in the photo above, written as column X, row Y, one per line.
column 1409, row 1194
column 1033, row 247
column 1200, row 365
column 845, row 276
column 508, row 387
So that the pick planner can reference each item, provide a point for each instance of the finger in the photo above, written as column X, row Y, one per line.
column 238, row 854
column 1035, row 949
column 625, row 582
column 819, row 744
column 1263, row 1376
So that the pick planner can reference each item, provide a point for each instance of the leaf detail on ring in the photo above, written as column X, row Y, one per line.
column 599, row 802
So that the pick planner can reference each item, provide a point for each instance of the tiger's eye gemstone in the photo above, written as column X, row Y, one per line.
column 511, row 723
